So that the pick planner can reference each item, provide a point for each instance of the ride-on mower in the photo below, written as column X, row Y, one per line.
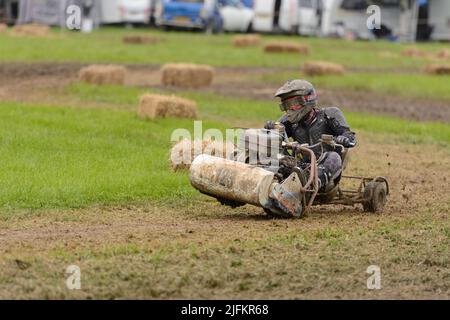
column 259, row 175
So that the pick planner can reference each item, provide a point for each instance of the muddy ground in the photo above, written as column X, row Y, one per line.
column 31, row 82
column 205, row 250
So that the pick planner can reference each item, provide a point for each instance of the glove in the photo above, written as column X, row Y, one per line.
column 343, row 141
column 270, row 125
column 288, row 161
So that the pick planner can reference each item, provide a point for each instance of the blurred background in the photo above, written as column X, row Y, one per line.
column 404, row 20
column 87, row 174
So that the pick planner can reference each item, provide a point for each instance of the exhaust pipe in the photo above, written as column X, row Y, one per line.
column 231, row 180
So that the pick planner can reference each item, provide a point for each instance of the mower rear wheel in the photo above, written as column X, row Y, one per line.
column 375, row 194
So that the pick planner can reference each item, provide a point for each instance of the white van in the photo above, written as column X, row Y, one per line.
column 310, row 17
column 439, row 19
column 348, row 19
column 236, row 15
column 110, row 11
column 275, row 16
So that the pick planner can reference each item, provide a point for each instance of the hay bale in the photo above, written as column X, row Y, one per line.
column 283, row 47
column 443, row 54
column 103, row 74
column 319, row 68
column 415, row 53
column 187, row 75
column 152, row 106
column 140, row 39
column 439, row 69
column 3, row 27
column 35, row 30
column 183, row 153
column 250, row 40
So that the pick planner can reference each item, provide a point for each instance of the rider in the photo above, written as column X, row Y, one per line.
column 305, row 123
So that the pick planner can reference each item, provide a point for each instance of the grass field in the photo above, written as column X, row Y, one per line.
column 408, row 85
column 107, row 46
column 68, row 158
column 86, row 182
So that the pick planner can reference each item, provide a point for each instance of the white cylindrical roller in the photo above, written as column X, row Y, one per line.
column 231, row 180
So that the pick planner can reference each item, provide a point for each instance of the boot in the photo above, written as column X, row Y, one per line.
column 324, row 178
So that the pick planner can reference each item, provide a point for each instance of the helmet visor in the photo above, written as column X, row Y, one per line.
column 294, row 103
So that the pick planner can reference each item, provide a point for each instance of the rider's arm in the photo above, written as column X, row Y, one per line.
column 340, row 127
column 282, row 121
column 287, row 125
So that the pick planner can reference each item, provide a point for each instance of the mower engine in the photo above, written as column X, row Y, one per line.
column 253, row 177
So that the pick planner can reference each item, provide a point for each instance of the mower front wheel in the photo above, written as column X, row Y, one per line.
column 276, row 215
column 375, row 194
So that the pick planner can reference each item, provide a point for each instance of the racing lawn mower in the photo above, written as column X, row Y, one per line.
column 259, row 175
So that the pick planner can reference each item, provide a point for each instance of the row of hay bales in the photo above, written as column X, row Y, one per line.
column 433, row 68
column 240, row 41
column 321, row 68
column 253, row 40
column 150, row 105
column 156, row 106
column 418, row 53
column 310, row 68
column 178, row 75
column 35, row 30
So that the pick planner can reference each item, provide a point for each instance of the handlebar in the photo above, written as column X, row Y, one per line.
column 295, row 145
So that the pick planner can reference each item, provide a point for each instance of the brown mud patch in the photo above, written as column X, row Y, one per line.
column 45, row 83
column 205, row 250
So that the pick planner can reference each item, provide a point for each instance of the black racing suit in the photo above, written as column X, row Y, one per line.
column 326, row 121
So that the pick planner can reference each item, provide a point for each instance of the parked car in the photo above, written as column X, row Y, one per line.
column 189, row 14
column 126, row 11
column 237, row 15
column 135, row 11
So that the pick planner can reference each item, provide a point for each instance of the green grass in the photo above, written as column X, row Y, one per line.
column 407, row 85
column 64, row 157
column 106, row 45
column 238, row 111
column 211, row 105
column 59, row 157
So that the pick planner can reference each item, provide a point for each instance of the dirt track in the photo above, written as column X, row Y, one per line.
column 32, row 82
column 205, row 250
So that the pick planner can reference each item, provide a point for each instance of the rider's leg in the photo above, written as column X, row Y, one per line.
column 329, row 169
